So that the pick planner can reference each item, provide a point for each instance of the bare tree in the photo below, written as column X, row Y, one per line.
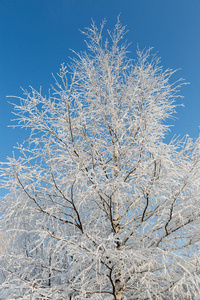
column 100, row 206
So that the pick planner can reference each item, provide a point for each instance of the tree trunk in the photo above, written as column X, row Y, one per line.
column 118, row 276
column 119, row 295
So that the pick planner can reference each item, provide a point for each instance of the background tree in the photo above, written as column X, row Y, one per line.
column 100, row 206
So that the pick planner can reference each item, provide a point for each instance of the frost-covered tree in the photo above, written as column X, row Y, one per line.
column 100, row 206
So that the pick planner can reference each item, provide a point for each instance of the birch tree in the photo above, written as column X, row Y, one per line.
column 100, row 206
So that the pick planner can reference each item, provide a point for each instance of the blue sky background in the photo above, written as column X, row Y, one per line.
column 36, row 35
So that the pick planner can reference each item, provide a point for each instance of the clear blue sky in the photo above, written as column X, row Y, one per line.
column 36, row 35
